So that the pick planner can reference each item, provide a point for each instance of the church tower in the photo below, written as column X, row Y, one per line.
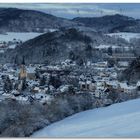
column 22, row 77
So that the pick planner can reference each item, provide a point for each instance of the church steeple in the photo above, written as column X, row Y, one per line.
column 23, row 61
column 23, row 73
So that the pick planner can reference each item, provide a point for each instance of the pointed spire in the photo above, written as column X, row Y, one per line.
column 23, row 61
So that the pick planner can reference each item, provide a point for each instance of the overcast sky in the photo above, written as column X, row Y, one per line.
column 71, row 10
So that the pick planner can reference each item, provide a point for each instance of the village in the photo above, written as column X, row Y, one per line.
column 41, row 82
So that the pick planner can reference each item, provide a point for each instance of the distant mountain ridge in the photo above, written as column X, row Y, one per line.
column 19, row 20
column 110, row 23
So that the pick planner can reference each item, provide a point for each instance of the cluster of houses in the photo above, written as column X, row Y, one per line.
column 104, row 80
column 41, row 82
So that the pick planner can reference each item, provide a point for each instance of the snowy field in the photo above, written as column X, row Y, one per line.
column 9, row 36
column 118, row 120
column 125, row 35
column 101, row 46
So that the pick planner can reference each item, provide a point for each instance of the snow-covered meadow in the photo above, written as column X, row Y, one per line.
column 118, row 120
column 101, row 46
column 15, row 37
column 10, row 36
column 125, row 35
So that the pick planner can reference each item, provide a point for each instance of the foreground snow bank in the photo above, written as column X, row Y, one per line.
column 118, row 120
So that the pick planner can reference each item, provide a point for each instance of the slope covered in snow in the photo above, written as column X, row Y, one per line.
column 118, row 120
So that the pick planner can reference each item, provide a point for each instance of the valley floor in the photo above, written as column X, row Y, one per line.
column 118, row 120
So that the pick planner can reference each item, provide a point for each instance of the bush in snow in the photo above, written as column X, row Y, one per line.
column 55, row 81
column 18, row 120
column 7, row 85
column 67, row 104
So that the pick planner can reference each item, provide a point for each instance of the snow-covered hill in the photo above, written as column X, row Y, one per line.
column 118, row 120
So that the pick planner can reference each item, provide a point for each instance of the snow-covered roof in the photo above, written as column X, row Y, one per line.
column 36, row 88
column 89, row 82
column 30, row 70
column 53, row 67
column 42, row 97
column 20, row 98
column 125, row 86
column 64, row 88
column 12, row 46
column 138, row 83
column 102, row 63
column 1, row 51
column 32, row 82
column 123, row 63
column 81, row 82
column 101, row 46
